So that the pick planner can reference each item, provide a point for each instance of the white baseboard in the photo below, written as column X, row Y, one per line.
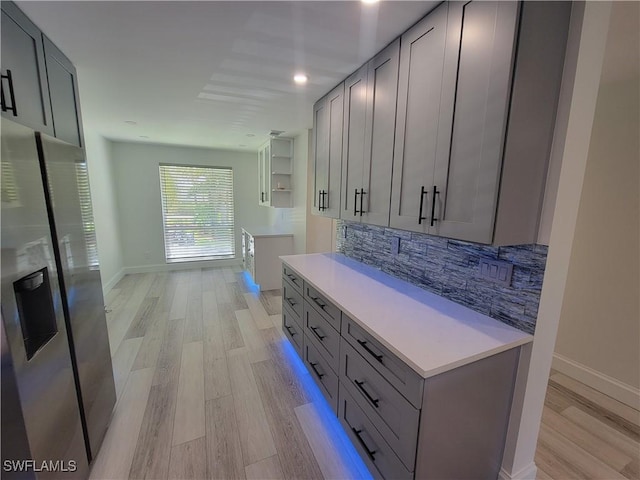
column 527, row 473
column 622, row 392
column 108, row 286
column 165, row 267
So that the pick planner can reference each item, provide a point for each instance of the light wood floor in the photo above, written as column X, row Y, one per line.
column 208, row 387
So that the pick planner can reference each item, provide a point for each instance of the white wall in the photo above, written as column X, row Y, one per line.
column 137, row 187
column 581, row 79
column 105, row 208
column 599, row 333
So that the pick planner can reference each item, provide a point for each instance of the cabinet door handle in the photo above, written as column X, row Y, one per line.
column 262, row 196
column 362, row 194
column 291, row 302
column 370, row 453
column 367, row 394
column 315, row 331
column 289, row 330
column 355, row 202
column 315, row 370
column 423, row 192
column 12, row 95
column 433, row 205
column 324, row 200
column 371, row 352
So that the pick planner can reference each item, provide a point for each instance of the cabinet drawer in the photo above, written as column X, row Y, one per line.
column 292, row 298
column 320, row 371
column 389, row 411
column 394, row 370
column 293, row 277
column 328, row 310
column 292, row 329
column 373, row 449
column 326, row 338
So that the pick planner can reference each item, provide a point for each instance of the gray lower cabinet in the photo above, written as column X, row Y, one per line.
column 326, row 337
column 291, row 297
column 25, row 94
column 380, row 458
column 63, row 90
column 449, row 426
column 321, row 371
column 392, row 415
column 369, row 121
column 327, row 153
column 292, row 328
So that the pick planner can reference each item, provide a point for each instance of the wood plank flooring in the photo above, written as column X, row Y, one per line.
column 586, row 434
column 205, row 385
column 208, row 387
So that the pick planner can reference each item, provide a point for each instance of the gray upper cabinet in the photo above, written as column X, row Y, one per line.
column 63, row 90
column 476, row 91
column 368, row 138
column 327, row 152
column 475, row 119
column 25, row 95
column 460, row 115
column 419, row 143
column 353, row 148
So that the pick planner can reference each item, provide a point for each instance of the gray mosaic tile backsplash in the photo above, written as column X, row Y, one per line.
column 450, row 268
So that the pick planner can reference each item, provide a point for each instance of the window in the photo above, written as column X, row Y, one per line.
column 197, row 211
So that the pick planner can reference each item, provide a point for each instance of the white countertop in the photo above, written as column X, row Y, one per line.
column 429, row 333
column 267, row 232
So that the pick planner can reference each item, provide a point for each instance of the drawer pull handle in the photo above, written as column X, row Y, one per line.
column 292, row 277
column 315, row 370
column 370, row 453
column 371, row 352
column 289, row 330
column 315, row 331
column 367, row 394
column 291, row 302
column 319, row 303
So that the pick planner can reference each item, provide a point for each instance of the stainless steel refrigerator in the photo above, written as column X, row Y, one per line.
column 57, row 381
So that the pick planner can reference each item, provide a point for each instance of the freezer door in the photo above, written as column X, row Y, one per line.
column 33, row 318
column 75, row 247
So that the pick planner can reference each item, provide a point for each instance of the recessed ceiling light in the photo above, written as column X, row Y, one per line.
column 370, row 1
column 300, row 78
column 242, row 146
column 131, row 122
column 143, row 136
column 250, row 135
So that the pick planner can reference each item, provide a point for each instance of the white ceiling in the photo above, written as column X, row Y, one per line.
column 209, row 73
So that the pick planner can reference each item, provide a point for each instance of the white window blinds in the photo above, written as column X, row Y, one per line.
column 197, row 211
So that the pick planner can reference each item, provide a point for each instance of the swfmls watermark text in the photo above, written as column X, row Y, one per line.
column 39, row 466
